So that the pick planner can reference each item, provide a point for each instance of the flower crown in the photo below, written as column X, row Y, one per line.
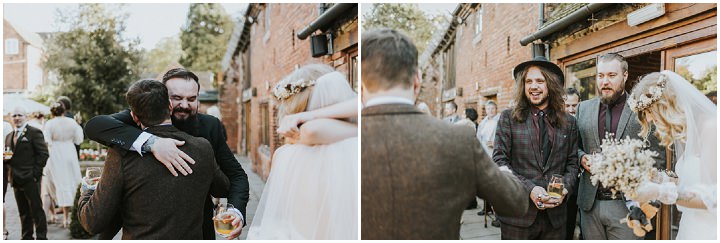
column 645, row 100
column 285, row 88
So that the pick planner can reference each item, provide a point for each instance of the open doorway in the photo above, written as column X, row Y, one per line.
column 641, row 65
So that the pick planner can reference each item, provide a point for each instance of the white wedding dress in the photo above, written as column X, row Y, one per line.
column 697, row 160
column 63, row 168
column 312, row 191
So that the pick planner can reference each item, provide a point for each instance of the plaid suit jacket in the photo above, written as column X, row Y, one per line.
column 517, row 147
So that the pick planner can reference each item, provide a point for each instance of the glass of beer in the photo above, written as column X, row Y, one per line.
column 224, row 216
column 92, row 177
column 556, row 186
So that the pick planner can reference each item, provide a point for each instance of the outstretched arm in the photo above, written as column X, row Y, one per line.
column 120, row 131
column 326, row 131
column 289, row 125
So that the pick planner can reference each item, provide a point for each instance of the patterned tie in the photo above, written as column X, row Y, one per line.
column 545, row 150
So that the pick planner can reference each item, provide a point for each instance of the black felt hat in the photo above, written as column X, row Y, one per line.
column 540, row 61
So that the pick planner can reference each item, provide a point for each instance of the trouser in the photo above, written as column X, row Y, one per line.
column 32, row 216
column 602, row 222
column 541, row 229
column 572, row 212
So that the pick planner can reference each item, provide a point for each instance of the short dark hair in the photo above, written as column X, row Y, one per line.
column 614, row 56
column 571, row 91
column 149, row 101
column 180, row 73
column 711, row 94
column 66, row 102
column 471, row 114
column 389, row 59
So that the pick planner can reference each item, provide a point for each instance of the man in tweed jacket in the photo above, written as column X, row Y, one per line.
column 533, row 155
column 418, row 172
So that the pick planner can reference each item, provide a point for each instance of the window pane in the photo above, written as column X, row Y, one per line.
column 700, row 70
column 581, row 76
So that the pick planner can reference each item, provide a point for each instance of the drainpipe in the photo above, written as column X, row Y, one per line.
column 541, row 19
column 326, row 18
column 578, row 15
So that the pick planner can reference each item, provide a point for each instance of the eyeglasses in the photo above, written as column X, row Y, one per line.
column 17, row 115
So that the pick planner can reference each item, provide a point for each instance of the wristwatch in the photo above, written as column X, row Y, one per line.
column 147, row 146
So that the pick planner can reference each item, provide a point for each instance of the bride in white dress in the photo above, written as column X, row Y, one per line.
column 686, row 118
column 63, row 169
column 312, row 190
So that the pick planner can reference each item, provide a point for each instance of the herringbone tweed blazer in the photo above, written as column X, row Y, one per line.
column 517, row 147
column 419, row 173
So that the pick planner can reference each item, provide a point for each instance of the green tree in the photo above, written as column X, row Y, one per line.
column 92, row 60
column 408, row 18
column 165, row 53
column 205, row 36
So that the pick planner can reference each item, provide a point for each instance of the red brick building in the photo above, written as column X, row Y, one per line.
column 266, row 46
column 469, row 62
column 22, row 54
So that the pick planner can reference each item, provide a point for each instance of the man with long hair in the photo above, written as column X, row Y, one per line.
column 536, row 139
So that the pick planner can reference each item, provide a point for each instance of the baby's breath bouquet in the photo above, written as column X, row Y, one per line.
column 622, row 165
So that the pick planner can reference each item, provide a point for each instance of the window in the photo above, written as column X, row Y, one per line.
column 265, row 126
column 478, row 21
column 12, row 46
column 449, row 68
column 581, row 76
column 478, row 25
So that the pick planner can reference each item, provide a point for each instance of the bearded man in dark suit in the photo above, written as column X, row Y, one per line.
column 151, row 203
column 120, row 131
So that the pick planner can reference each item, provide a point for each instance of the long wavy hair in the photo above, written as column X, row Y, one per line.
column 556, row 112
column 666, row 114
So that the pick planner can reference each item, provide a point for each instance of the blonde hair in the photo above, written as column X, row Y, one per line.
column 666, row 114
column 298, row 102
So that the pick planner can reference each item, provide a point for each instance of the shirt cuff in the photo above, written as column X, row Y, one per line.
column 241, row 216
column 137, row 145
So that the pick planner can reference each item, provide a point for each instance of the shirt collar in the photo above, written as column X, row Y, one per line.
column 19, row 130
column 384, row 100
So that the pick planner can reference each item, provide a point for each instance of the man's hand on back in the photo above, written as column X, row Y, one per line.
column 166, row 151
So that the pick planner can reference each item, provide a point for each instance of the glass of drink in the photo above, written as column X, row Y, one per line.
column 224, row 216
column 8, row 153
column 556, row 186
column 92, row 177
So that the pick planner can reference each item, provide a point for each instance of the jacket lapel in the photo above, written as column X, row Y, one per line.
column 594, row 110
column 624, row 119
column 533, row 140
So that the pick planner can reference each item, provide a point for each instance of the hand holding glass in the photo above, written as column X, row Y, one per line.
column 556, row 186
column 223, row 218
column 92, row 177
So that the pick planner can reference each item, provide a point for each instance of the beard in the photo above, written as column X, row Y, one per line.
column 176, row 114
column 611, row 99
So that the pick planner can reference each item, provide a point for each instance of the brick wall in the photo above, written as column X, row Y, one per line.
column 274, row 51
column 14, row 66
column 483, row 67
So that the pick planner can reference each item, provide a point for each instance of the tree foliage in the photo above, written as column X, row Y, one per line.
column 205, row 36
column 163, row 55
column 92, row 60
column 418, row 25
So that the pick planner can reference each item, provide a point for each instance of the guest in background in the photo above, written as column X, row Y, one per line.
column 470, row 119
column 450, row 113
column 63, row 168
column 486, row 128
column 572, row 99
